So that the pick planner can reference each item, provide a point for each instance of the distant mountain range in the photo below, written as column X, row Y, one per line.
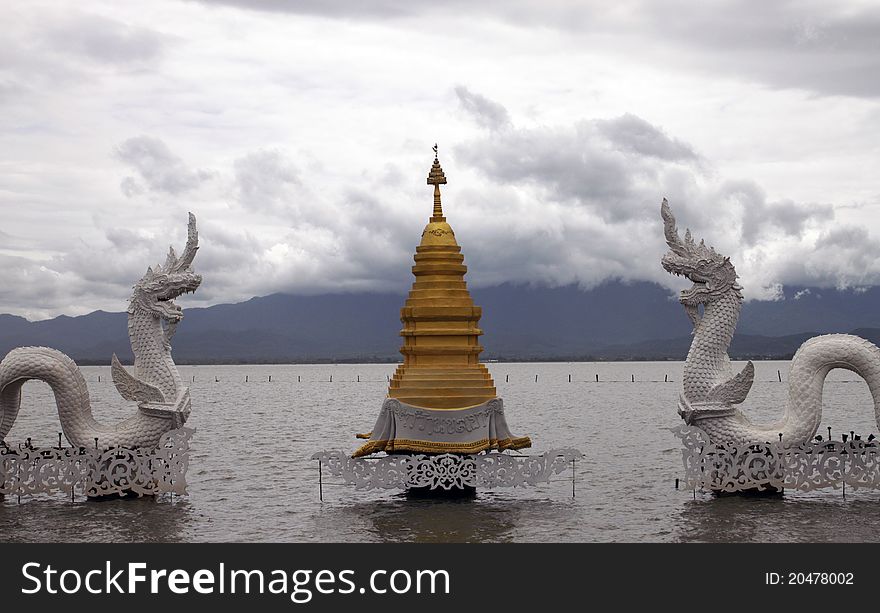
column 612, row 321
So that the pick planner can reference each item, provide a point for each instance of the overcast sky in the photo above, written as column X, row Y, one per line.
column 300, row 135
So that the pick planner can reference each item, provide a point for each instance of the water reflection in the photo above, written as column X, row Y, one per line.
column 489, row 518
column 401, row 519
column 140, row 520
column 795, row 517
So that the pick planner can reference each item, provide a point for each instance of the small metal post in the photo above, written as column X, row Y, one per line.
column 298, row 379
column 633, row 377
column 59, row 440
column 676, row 483
column 99, row 378
column 597, row 377
column 536, row 378
column 194, row 379
column 245, row 378
column 507, row 378
column 666, row 378
column 320, row 483
column 569, row 378
column 779, row 374
column 829, row 433
column 359, row 379
column 270, row 378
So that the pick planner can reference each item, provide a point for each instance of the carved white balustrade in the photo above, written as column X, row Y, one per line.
column 98, row 472
column 813, row 465
column 447, row 471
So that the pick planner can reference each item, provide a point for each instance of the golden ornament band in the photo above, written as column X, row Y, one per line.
column 398, row 445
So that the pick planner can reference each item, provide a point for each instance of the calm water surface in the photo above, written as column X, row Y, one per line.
column 250, row 478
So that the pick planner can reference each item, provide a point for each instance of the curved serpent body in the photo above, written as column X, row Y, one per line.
column 711, row 390
column 163, row 403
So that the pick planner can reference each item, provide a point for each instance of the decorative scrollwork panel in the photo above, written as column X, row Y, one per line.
column 98, row 472
column 735, row 467
column 446, row 471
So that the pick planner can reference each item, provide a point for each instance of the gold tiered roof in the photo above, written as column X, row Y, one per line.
column 441, row 368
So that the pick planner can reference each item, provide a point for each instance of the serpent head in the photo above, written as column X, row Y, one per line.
column 156, row 290
column 711, row 273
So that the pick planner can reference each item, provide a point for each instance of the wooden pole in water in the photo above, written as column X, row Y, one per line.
column 507, row 378
column 633, row 378
column 536, row 378
column 779, row 374
column 597, row 377
column 569, row 378
column 320, row 483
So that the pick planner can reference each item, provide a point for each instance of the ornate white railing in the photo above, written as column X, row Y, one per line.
column 98, row 472
column 735, row 467
column 446, row 471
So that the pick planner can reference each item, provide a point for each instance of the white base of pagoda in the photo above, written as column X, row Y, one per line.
column 405, row 428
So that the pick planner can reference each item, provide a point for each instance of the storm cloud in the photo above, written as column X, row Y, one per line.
column 300, row 135
column 158, row 169
column 486, row 113
column 810, row 45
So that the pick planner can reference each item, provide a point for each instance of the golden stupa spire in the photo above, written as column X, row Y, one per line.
column 441, row 367
column 437, row 178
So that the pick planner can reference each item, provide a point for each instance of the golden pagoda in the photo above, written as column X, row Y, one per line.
column 441, row 349
column 441, row 399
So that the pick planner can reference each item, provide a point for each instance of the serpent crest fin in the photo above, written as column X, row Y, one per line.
column 735, row 390
column 132, row 388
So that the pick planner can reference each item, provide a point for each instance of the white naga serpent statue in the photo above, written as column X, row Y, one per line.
column 711, row 391
column 163, row 402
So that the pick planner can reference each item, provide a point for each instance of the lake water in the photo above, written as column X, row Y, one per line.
column 250, row 477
